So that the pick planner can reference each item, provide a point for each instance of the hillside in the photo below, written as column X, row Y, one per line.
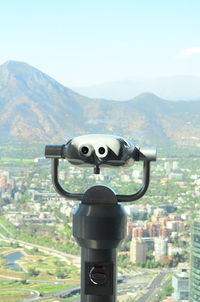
column 34, row 107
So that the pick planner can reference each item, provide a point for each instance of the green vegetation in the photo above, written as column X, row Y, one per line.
column 21, row 150
column 43, row 289
column 72, row 298
column 32, row 272
column 13, row 295
column 167, row 279
column 124, row 262
column 32, row 234
column 129, row 299
column 166, row 291
column 37, row 266
column 15, row 161
column 7, row 228
column 12, row 292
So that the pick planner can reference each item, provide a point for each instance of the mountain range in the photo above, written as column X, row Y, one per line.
column 34, row 107
column 173, row 88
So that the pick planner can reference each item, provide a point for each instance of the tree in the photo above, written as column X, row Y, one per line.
column 33, row 272
column 62, row 274
column 34, row 251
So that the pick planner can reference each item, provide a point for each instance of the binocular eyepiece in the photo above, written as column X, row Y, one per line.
column 87, row 150
column 100, row 151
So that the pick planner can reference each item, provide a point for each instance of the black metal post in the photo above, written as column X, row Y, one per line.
column 99, row 226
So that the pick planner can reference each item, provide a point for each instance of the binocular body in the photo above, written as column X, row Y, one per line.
column 99, row 150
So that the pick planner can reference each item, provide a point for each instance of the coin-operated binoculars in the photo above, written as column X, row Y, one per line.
column 99, row 221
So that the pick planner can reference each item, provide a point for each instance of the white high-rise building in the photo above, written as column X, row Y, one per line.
column 160, row 248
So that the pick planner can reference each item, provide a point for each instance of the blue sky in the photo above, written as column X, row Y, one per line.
column 86, row 42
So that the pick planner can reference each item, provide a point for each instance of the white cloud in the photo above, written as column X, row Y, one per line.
column 189, row 52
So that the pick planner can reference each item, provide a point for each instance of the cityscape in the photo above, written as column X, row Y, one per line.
column 158, row 260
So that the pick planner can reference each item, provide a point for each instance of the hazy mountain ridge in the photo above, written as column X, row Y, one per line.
column 36, row 107
column 173, row 88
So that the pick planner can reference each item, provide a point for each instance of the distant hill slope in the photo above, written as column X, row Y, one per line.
column 34, row 107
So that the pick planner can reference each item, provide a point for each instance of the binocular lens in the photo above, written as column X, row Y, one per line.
column 102, row 150
column 85, row 150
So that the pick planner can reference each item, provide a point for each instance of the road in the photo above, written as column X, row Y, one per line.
column 156, row 284
column 64, row 294
column 75, row 290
